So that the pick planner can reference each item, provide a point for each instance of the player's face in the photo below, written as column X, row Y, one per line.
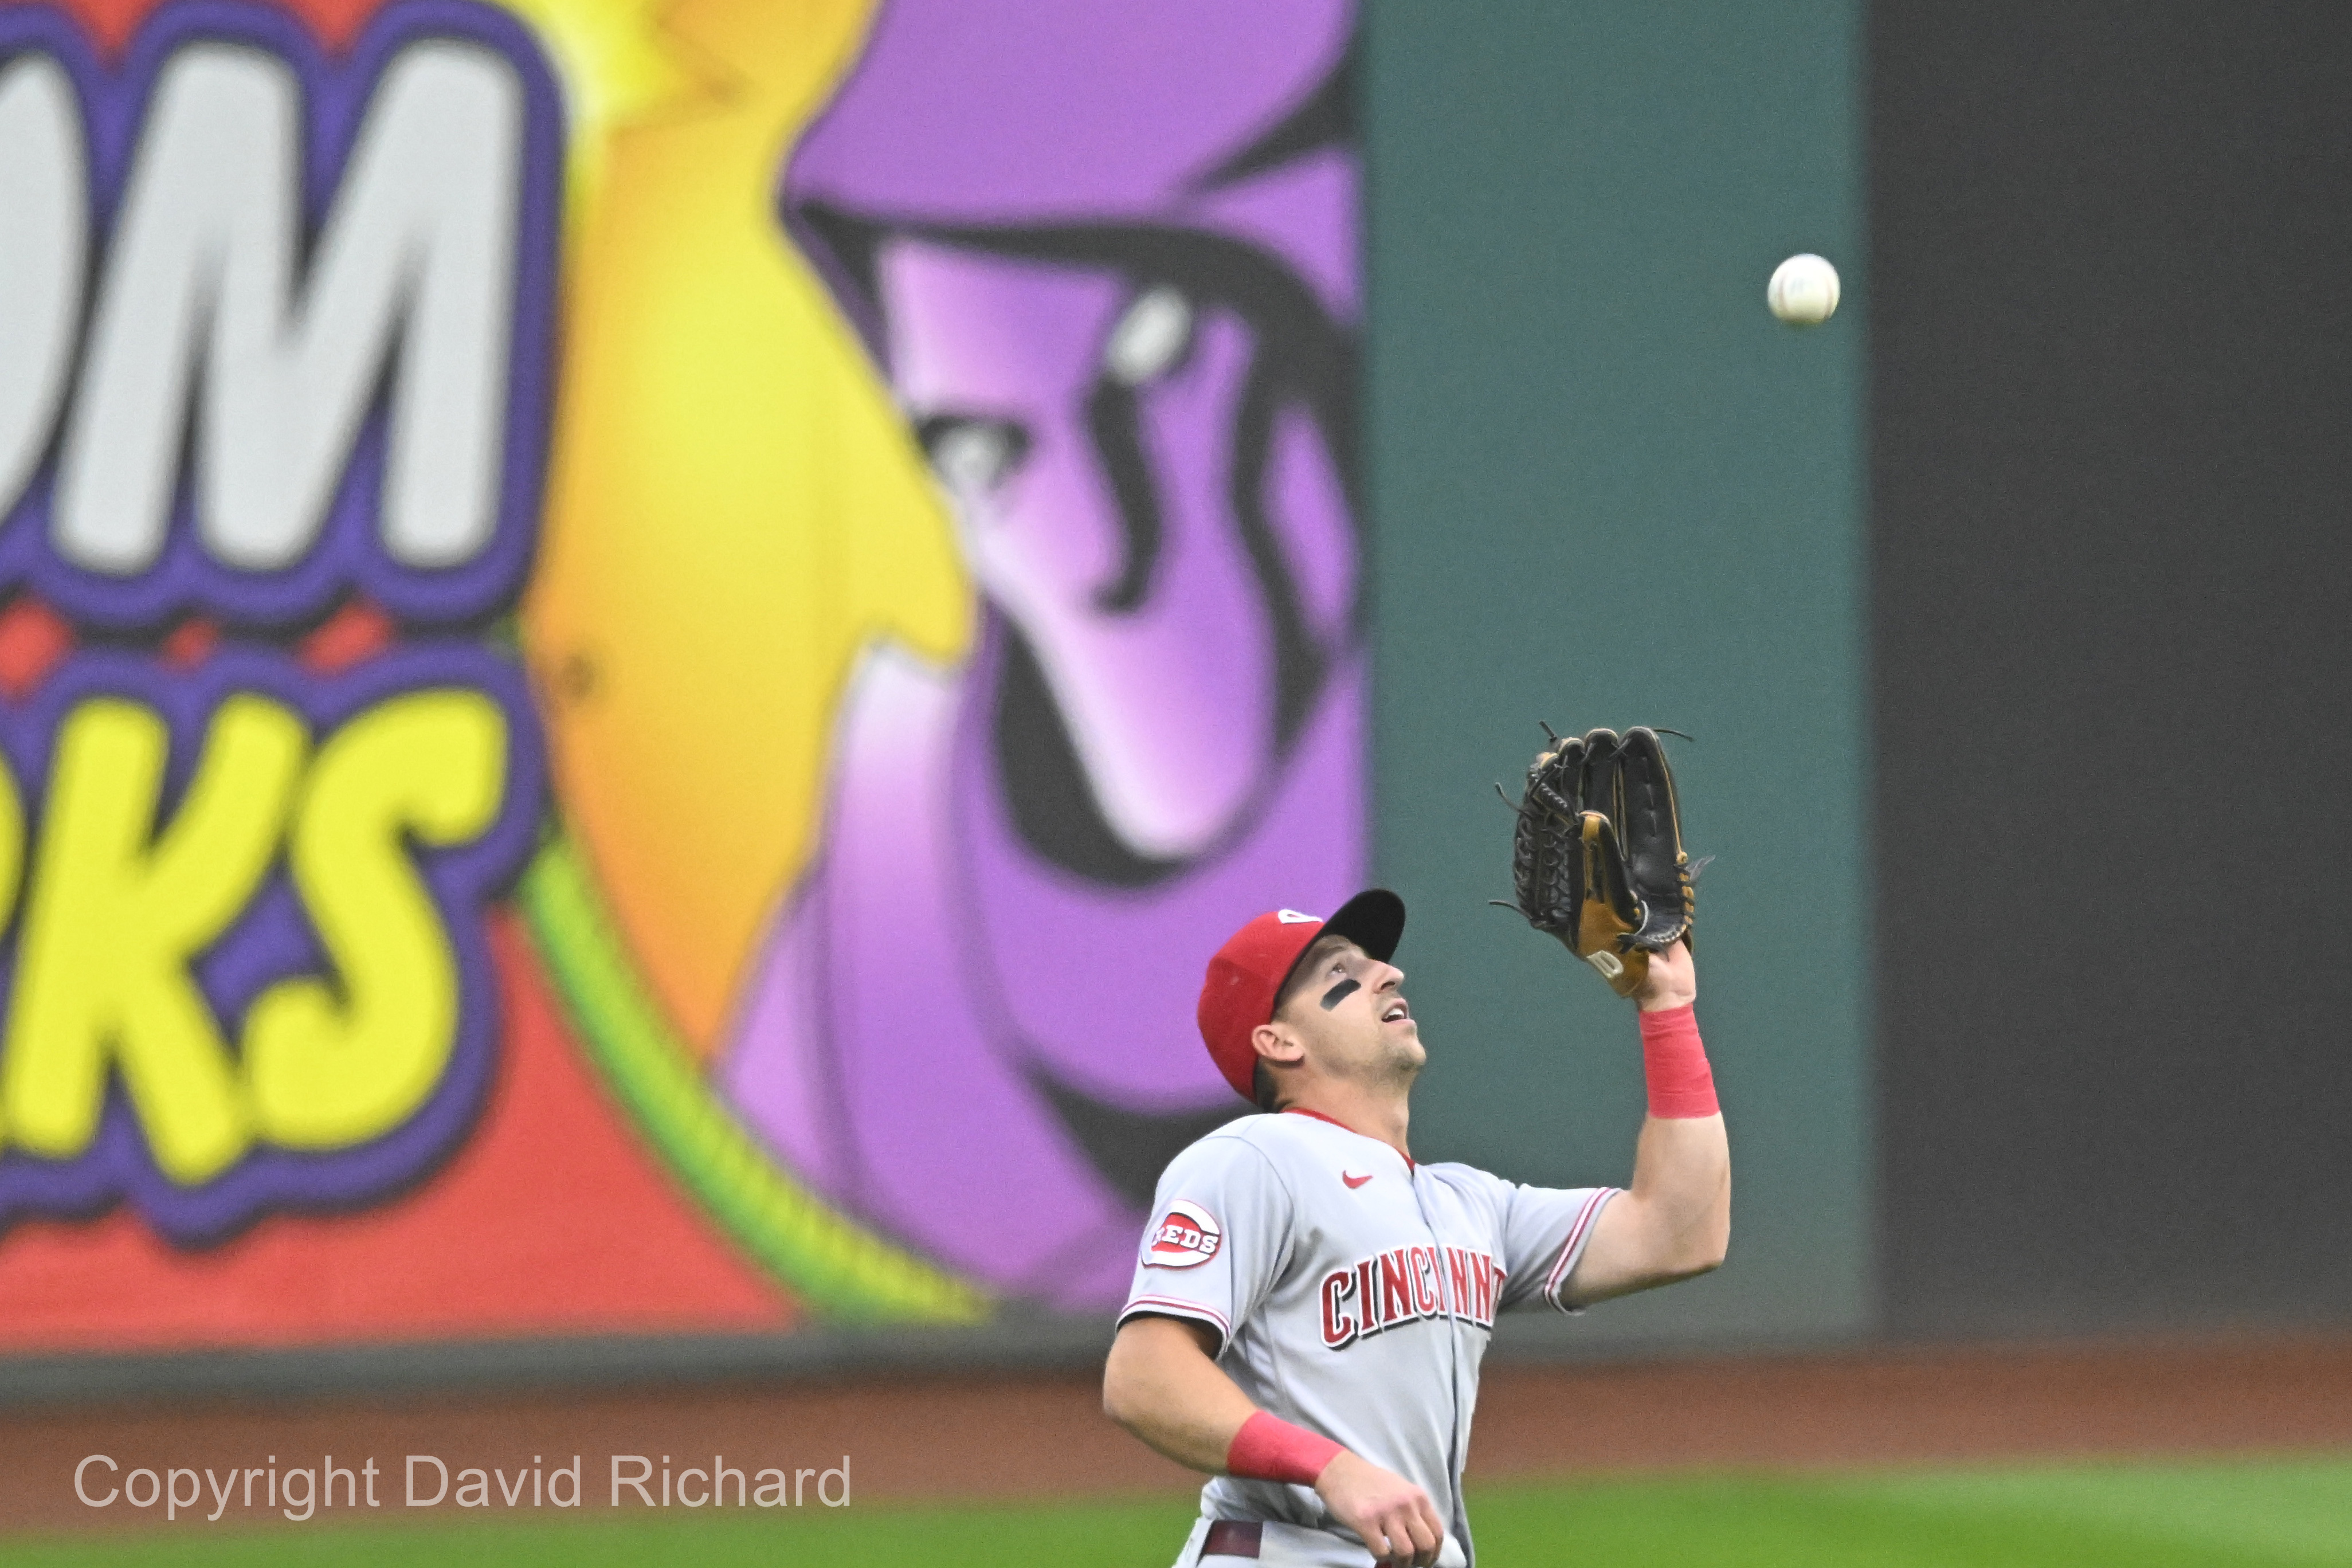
column 1350, row 1009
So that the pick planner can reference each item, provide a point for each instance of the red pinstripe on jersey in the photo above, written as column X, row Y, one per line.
column 1570, row 1248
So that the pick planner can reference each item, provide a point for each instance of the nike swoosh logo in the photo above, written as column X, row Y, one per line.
column 1353, row 1180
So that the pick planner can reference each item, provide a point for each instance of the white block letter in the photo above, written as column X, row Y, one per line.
column 44, row 241
column 417, row 250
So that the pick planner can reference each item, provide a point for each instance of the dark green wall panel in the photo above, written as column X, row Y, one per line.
column 1608, row 488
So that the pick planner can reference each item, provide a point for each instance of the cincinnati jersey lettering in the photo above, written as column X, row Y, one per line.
column 1407, row 1285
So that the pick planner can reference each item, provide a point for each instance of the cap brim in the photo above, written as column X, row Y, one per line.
column 1373, row 919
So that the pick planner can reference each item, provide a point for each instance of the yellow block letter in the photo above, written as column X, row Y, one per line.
column 114, row 919
column 328, row 1073
column 12, row 839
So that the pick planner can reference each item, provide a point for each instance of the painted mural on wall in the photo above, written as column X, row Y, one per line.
column 645, row 642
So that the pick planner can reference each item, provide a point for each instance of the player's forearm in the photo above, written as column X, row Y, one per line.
column 1681, row 1165
column 1674, row 1219
column 1161, row 1384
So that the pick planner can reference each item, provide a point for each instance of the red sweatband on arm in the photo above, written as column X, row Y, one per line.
column 1268, row 1448
column 1681, row 1083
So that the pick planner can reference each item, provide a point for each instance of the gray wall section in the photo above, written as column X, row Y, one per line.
column 1609, row 489
column 2112, row 377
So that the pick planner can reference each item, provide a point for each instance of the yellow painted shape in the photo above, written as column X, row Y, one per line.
column 329, row 1071
column 612, row 64
column 12, row 839
column 113, row 920
column 735, row 512
column 12, row 866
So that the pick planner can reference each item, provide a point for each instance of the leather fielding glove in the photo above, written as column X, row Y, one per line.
column 1597, row 857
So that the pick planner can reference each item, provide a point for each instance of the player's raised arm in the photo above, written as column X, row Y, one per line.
column 1674, row 1220
column 1597, row 862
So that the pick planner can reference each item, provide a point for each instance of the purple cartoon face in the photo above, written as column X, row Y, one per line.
column 972, row 1027
column 1157, row 513
column 1088, row 431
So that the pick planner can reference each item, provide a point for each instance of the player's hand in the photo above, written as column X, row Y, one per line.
column 1672, row 981
column 1394, row 1518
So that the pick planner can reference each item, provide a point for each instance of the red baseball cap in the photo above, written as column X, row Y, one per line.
column 1247, row 973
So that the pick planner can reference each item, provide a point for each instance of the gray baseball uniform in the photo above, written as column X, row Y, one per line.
column 1354, row 1293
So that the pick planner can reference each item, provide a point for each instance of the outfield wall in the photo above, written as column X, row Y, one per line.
column 941, row 515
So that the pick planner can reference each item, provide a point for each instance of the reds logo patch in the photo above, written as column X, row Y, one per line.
column 1186, row 1237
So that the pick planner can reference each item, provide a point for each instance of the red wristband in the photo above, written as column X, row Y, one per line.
column 1675, row 1063
column 1268, row 1448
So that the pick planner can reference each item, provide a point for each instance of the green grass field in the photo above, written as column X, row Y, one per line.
column 2232, row 1515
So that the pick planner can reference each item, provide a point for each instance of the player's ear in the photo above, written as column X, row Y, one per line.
column 1279, row 1044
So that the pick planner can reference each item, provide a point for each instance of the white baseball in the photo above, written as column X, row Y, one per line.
column 1803, row 291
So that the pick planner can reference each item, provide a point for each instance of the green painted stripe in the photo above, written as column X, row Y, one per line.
column 837, row 1267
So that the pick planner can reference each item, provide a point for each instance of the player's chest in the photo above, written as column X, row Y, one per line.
column 1391, row 1254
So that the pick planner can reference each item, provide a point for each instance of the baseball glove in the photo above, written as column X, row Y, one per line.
column 1597, row 859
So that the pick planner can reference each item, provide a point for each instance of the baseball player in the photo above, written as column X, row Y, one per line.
column 1311, row 1303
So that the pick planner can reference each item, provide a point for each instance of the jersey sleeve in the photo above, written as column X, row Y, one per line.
column 1544, row 1230
column 1218, row 1235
